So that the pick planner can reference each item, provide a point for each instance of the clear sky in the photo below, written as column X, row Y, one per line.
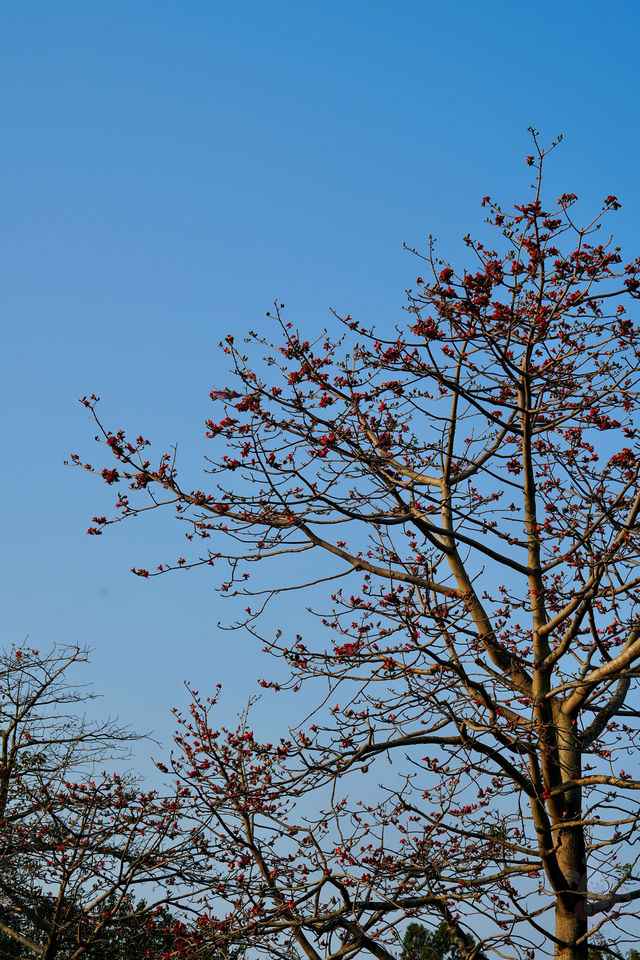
column 168, row 169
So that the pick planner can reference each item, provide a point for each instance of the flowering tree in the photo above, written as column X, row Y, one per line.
column 75, row 844
column 469, row 486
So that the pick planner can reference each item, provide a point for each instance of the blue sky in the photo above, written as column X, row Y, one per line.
column 168, row 169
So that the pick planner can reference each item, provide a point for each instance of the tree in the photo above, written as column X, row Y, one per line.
column 75, row 843
column 419, row 943
column 599, row 949
column 469, row 485
column 133, row 933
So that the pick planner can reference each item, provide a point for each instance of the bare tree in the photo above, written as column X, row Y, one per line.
column 469, row 486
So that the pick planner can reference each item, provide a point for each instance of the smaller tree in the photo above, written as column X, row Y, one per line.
column 599, row 949
column 135, row 934
column 74, row 844
column 140, row 934
column 422, row 944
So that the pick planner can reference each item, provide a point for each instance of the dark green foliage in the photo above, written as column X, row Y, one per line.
column 422, row 944
column 137, row 936
column 600, row 950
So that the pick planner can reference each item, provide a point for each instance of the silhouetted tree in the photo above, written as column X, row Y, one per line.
column 74, row 842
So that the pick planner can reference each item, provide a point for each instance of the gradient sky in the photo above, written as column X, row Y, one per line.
column 168, row 169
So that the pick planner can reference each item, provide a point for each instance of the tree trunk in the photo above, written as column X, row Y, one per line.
column 571, row 914
column 571, row 925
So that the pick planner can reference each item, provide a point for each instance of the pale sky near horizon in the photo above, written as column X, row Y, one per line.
column 168, row 169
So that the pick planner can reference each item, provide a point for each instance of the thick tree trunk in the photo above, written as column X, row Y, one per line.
column 571, row 915
column 571, row 925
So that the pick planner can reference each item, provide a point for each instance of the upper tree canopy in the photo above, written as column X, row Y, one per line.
column 470, row 487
